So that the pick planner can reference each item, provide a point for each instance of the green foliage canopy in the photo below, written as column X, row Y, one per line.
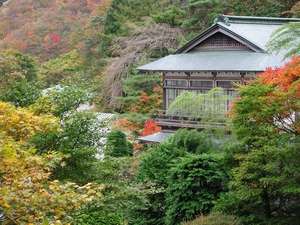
column 194, row 184
column 117, row 145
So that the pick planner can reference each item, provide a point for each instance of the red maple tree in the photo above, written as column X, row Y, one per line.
column 286, row 78
column 150, row 127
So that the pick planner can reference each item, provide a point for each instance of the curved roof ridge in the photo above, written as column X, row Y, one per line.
column 254, row 19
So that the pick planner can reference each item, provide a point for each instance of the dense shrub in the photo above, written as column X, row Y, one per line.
column 68, row 99
column 15, row 66
column 265, row 177
column 117, row 145
column 78, row 141
column 193, row 186
column 45, row 142
column 113, row 170
column 21, row 93
column 62, row 68
column 156, row 163
column 193, row 141
column 214, row 219
column 79, row 131
column 149, row 207
column 95, row 214
column 271, row 8
column 172, row 15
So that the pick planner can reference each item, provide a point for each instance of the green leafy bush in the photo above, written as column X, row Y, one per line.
column 193, row 186
column 172, row 15
column 156, row 163
column 78, row 142
column 193, row 141
column 214, row 219
column 79, row 131
column 149, row 207
column 15, row 66
column 117, row 145
column 62, row 68
column 268, row 8
column 113, row 170
column 264, row 177
column 21, row 93
column 68, row 99
column 95, row 214
column 45, row 142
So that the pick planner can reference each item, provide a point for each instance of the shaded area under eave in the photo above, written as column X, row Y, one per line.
column 215, row 61
column 155, row 138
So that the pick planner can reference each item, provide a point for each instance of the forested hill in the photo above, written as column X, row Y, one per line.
column 110, row 37
column 47, row 28
column 73, row 107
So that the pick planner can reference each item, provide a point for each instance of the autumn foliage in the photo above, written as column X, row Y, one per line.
column 273, row 101
column 147, row 103
column 286, row 78
column 150, row 127
column 27, row 194
column 21, row 124
column 47, row 28
column 125, row 125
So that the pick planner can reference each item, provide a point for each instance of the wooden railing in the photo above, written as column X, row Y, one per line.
column 167, row 121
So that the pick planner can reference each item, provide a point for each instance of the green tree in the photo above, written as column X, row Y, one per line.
column 265, row 185
column 194, row 141
column 15, row 66
column 210, row 106
column 268, row 8
column 117, row 145
column 68, row 99
column 78, row 141
column 21, row 93
column 201, row 13
column 156, row 163
column 173, row 15
column 65, row 67
column 214, row 219
column 193, row 187
column 264, row 188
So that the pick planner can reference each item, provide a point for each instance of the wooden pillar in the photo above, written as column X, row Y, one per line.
column 164, row 93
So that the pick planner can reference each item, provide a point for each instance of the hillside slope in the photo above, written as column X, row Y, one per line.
column 46, row 29
column 114, row 36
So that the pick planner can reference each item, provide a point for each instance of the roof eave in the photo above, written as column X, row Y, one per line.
column 192, row 71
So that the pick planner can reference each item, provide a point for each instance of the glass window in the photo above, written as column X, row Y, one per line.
column 206, row 84
column 171, row 94
column 226, row 84
column 176, row 83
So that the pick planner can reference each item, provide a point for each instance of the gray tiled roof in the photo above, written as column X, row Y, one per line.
column 215, row 61
column 257, row 31
column 258, row 34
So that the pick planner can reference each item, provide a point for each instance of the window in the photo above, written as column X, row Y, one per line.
column 176, row 83
column 202, row 84
column 171, row 94
column 225, row 84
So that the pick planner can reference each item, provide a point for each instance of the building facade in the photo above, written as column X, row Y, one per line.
column 233, row 50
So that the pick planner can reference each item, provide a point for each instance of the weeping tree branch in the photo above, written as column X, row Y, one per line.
column 286, row 39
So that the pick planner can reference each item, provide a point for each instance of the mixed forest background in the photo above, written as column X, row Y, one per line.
column 57, row 55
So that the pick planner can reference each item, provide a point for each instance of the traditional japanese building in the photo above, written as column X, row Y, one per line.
column 233, row 50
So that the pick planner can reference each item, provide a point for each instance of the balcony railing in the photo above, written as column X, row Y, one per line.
column 173, row 122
